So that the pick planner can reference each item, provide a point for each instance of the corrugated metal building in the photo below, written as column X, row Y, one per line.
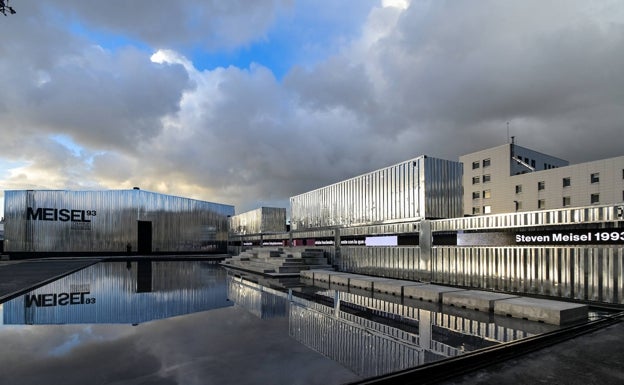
column 112, row 221
column 264, row 220
column 415, row 189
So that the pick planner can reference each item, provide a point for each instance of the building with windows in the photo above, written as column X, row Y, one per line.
column 511, row 178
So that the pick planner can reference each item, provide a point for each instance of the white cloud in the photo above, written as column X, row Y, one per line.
column 435, row 78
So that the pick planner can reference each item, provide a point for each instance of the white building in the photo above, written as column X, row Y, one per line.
column 511, row 178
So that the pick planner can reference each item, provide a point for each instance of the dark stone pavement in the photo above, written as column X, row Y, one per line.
column 595, row 358
column 19, row 277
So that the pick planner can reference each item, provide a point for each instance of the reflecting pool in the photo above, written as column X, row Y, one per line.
column 193, row 322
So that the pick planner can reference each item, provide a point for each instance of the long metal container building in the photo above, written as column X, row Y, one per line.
column 419, row 188
column 112, row 221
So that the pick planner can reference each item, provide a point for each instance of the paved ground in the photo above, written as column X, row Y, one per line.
column 18, row 277
column 594, row 358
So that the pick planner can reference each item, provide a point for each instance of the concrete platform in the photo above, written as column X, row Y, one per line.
column 393, row 286
column 19, row 277
column 363, row 282
column 428, row 292
column 542, row 310
column 474, row 299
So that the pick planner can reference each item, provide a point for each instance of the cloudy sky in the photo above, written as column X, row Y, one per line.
column 251, row 102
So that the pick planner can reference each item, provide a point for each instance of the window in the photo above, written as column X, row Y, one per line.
column 475, row 180
column 476, row 195
column 595, row 177
column 518, row 188
column 486, row 178
column 518, row 205
column 567, row 182
column 476, row 210
column 487, row 162
column 487, row 194
column 541, row 185
column 567, row 201
column 533, row 163
column 595, row 198
column 475, row 165
column 487, row 209
column 541, row 203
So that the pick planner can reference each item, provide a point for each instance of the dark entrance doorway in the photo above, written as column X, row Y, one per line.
column 144, row 237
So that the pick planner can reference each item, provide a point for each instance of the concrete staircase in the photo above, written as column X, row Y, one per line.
column 278, row 261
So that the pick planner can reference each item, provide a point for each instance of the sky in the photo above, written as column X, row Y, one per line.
column 248, row 103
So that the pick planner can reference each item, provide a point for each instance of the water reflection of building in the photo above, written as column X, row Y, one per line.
column 261, row 301
column 374, row 336
column 120, row 292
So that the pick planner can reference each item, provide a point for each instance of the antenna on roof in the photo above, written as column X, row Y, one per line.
column 507, row 132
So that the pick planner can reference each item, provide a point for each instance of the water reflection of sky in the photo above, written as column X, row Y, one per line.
column 224, row 345
column 175, row 323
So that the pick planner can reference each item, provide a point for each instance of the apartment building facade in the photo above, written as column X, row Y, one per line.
column 511, row 178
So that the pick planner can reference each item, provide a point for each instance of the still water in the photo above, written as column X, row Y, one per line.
column 195, row 323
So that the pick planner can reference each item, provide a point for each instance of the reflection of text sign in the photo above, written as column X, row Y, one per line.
column 60, row 299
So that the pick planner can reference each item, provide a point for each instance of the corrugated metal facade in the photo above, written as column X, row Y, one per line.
column 107, row 221
column 259, row 221
column 419, row 188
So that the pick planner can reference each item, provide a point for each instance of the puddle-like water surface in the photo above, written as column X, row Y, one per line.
column 192, row 323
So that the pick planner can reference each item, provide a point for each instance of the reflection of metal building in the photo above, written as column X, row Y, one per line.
column 372, row 336
column 115, row 221
column 117, row 292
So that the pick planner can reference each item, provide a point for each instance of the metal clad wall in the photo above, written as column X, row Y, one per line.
column 259, row 221
column 584, row 273
column 178, row 224
column 571, row 216
column 414, row 189
column 403, row 262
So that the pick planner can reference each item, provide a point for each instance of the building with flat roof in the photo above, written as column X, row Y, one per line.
column 419, row 188
column 511, row 178
column 112, row 222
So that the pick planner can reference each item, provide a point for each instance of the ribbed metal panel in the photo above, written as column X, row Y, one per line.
column 418, row 188
column 110, row 295
column 392, row 228
column 260, row 221
column 404, row 262
column 572, row 216
column 584, row 273
column 106, row 221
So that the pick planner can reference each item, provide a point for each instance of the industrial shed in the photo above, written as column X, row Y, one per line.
column 112, row 222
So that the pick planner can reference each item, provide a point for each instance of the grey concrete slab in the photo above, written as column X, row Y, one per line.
column 17, row 278
column 340, row 279
column 474, row 299
column 427, row 292
column 307, row 274
column 363, row 282
column 394, row 286
column 543, row 310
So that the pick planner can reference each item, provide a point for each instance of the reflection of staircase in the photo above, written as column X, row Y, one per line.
column 278, row 261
